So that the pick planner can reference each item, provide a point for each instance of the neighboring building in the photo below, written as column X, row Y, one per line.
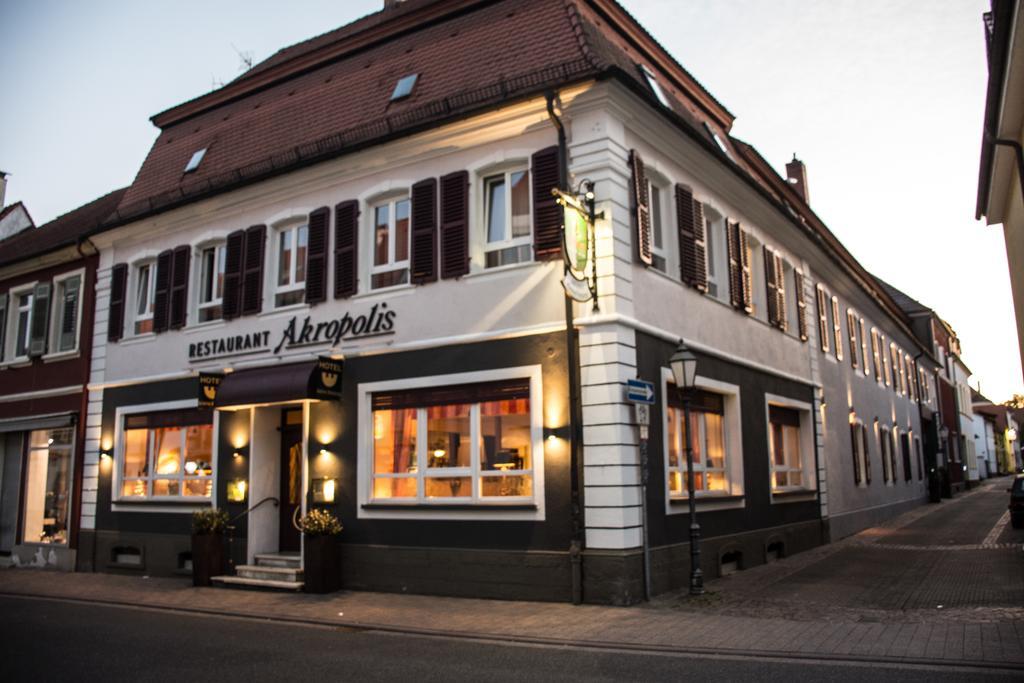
column 1001, row 178
column 47, row 276
column 13, row 218
column 984, row 437
column 337, row 282
column 1004, row 426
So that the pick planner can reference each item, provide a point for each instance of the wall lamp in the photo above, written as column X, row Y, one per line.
column 553, row 433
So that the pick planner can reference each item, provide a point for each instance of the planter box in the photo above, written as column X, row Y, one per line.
column 207, row 558
column 322, row 564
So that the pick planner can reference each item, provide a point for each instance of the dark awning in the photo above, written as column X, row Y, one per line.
column 24, row 424
column 317, row 379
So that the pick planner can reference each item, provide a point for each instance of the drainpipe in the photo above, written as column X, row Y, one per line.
column 575, row 402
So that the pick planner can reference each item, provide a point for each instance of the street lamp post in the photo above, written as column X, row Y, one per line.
column 684, row 371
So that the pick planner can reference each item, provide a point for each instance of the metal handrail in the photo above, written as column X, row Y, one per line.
column 231, row 527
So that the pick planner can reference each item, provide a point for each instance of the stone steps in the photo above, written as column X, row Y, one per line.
column 272, row 571
column 259, row 584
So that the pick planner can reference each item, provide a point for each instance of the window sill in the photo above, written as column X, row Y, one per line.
column 290, row 308
column 16, row 363
column 681, row 505
column 449, row 506
column 205, row 326
column 497, row 270
column 794, row 496
column 62, row 355
column 138, row 339
column 408, row 287
column 159, row 505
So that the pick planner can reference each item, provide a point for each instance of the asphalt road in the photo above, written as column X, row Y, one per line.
column 44, row 640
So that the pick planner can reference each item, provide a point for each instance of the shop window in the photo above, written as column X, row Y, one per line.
column 167, row 455
column 66, row 311
column 507, row 217
column 707, row 440
column 48, row 486
column 211, row 283
column 292, row 248
column 457, row 444
column 390, row 243
column 860, row 453
column 784, row 445
column 887, row 448
column 145, row 297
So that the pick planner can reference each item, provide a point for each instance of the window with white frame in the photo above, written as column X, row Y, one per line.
column 507, row 218
column 860, row 452
column 657, row 197
column 390, row 264
column 166, row 455
column 211, row 283
column 66, row 309
column 19, row 323
column 755, row 256
column 707, row 440
column 145, row 274
column 784, row 445
column 714, row 240
column 471, row 443
column 292, row 245
column 887, row 449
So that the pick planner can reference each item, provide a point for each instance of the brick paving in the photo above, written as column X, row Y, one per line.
column 872, row 597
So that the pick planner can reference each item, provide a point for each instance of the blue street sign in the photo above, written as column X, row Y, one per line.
column 640, row 391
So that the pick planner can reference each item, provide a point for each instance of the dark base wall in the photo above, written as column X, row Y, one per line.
column 458, row 572
column 616, row 577
column 850, row 523
column 141, row 553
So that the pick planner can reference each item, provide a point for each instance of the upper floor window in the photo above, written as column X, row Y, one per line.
column 66, row 311
column 714, row 245
column 656, row 197
column 292, row 245
column 653, row 82
column 211, row 283
column 390, row 244
column 507, row 216
column 144, row 297
column 20, row 323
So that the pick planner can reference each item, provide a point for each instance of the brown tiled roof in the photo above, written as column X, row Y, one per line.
column 61, row 232
column 470, row 55
column 909, row 304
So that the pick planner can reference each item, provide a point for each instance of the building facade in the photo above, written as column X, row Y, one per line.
column 47, row 276
column 303, row 303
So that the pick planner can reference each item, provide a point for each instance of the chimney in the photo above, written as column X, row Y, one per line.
column 796, row 175
column 391, row 4
column 3, row 188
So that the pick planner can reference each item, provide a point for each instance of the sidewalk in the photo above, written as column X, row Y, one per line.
column 744, row 614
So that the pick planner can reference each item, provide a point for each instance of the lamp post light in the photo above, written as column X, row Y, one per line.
column 684, row 371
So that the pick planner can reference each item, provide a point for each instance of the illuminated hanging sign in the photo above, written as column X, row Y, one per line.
column 297, row 334
column 578, row 218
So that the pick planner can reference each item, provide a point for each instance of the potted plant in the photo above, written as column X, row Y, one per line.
column 208, row 527
column 321, row 551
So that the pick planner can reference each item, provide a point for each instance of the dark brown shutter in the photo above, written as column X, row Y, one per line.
column 641, row 209
column 748, row 278
column 547, row 214
column 685, row 221
column 732, row 243
column 455, row 224
column 179, row 287
column 252, row 269
column 316, row 256
column 3, row 322
column 780, row 291
column 851, row 332
column 424, row 232
column 854, row 435
column 770, row 281
column 700, row 280
column 867, row 454
column 801, row 304
column 232, row 305
column 118, row 287
column 822, row 318
column 346, row 244
column 162, row 291
column 40, row 319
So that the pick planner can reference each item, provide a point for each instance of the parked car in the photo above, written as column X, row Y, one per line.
column 1017, row 502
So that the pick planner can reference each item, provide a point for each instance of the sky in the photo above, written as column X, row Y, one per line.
column 882, row 99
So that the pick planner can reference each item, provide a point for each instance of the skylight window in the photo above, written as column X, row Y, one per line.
column 404, row 87
column 196, row 159
column 718, row 140
column 653, row 82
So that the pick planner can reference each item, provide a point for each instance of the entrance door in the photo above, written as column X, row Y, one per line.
column 291, row 479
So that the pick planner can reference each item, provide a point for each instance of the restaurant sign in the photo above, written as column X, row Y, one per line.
column 297, row 334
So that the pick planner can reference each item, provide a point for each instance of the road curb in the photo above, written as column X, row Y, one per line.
column 537, row 640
